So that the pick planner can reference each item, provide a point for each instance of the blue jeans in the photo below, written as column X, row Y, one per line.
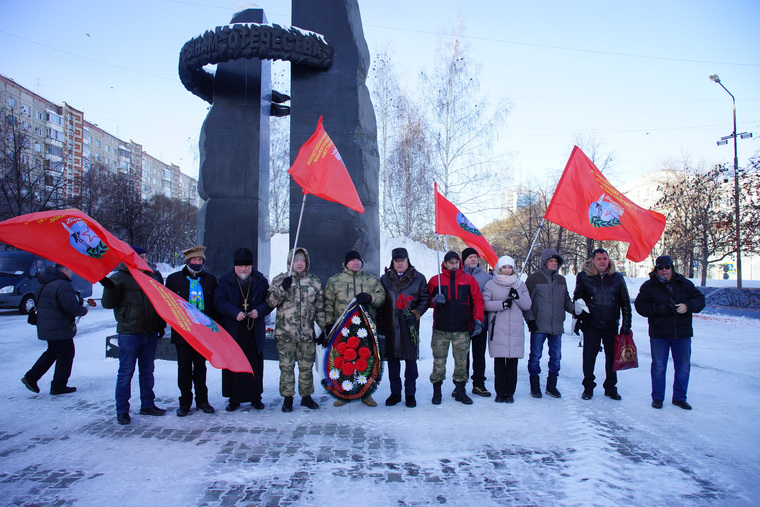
column 680, row 348
column 140, row 349
column 536, row 349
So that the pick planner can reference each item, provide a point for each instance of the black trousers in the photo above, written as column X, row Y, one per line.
column 60, row 352
column 592, row 339
column 410, row 376
column 191, row 370
column 505, row 375
column 478, row 344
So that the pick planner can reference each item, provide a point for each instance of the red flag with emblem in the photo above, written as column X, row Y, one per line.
column 449, row 220
column 319, row 170
column 584, row 202
column 71, row 238
column 203, row 334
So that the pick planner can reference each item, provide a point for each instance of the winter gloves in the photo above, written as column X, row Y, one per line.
column 477, row 328
column 363, row 298
column 507, row 303
column 287, row 282
column 439, row 299
column 532, row 327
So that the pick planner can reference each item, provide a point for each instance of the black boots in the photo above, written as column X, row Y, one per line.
column 287, row 404
column 535, row 386
column 551, row 387
column 308, row 402
column 461, row 392
column 436, row 393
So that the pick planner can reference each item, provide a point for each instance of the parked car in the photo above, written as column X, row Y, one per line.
column 18, row 280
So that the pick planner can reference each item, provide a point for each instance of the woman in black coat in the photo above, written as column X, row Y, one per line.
column 57, row 309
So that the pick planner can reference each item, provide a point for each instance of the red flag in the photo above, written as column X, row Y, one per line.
column 449, row 220
column 585, row 203
column 203, row 334
column 71, row 238
column 319, row 170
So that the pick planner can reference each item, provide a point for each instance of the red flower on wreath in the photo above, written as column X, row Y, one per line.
column 361, row 365
column 338, row 361
column 341, row 347
column 350, row 354
column 348, row 369
column 364, row 353
column 352, row 342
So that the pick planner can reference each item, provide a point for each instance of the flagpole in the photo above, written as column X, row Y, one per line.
column 298, row 231
column 438, row 258
column 531, row 247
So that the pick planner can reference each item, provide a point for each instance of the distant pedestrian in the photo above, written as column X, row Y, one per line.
column 546, row 317
column 406, row 300
column 139, row 327
column 602, row 290
column 300, row 304
column 195, row 285
column 57, row 310
column 506, row 298
column 668, row 300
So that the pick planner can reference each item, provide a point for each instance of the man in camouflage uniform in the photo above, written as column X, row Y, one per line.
column 299, row 301
column 352, row 283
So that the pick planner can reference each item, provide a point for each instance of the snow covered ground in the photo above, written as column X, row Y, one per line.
column 68, row 450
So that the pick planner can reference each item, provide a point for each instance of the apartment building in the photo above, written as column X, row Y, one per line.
column 65, row 145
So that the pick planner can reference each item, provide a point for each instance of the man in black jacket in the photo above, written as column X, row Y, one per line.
column 604, row 292
column 197, row 287
column 57, row 307
column 668, row 301
column 139, row 328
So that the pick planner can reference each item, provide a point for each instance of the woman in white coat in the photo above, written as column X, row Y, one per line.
column 506, row 297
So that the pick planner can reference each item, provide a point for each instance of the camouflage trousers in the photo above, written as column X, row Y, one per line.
column 460, row 348
column 290, row 353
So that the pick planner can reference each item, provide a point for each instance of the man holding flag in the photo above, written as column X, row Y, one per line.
column 139, row 328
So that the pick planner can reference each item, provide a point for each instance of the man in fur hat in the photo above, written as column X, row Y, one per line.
column 196, row 286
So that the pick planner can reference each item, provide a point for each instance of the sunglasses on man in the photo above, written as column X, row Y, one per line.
column 664, row 266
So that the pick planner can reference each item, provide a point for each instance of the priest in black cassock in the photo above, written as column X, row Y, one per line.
column 240, row 303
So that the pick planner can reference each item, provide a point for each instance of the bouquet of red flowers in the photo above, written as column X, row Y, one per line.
column 402, row 303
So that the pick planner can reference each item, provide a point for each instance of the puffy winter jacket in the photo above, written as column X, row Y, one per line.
column 299, row 307
column 606, row 296
column 57, row 306
column 464, row 302
column 549, row 297
column 342, row 288
column 506, row 327
column 657, row 301
column 132, row 309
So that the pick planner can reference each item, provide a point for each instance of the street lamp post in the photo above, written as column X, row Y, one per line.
column 724, row 140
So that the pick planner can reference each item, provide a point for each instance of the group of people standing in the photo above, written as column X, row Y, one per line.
column 472, row 310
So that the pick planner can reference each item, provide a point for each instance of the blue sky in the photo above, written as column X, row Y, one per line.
column 633, row 74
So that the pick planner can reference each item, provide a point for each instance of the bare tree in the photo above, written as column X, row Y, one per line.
column 407, row 182
column 27, row 182
column 699, row 218
column 279, row 179
column 463, row 126
column 93, row 189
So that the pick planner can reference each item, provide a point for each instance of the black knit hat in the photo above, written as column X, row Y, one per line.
column 663, row 259
column 351, row 255
column 243, row 257
column 469, row 251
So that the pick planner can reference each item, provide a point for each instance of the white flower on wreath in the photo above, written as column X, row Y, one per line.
column 334, row 374
column 362, row 379
column 356, row 320
column 361, row 333
column 347, row 385
column 344, row 331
